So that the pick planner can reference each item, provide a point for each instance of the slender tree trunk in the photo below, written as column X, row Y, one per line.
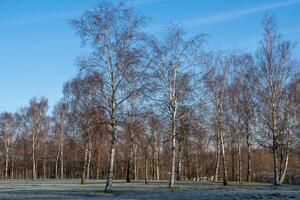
column 216, row 175
column 197, row 165
column 45, row 162
column 83, row 172
column 129, row 170
column 225, row 179
column 275, row 165
column 98, row 164
column 157, row 168
column 186, row 160
column 179, row 168
column 129, row 162
column 155, row 156
column 12, row 166
column 136, row 175
column 26, row 170
column 233, row 177
column 108, row 187
column 172, row 176
column 44, row 169
column 56, row 163
column 153, row 169
column 274, row 137
column 89, row 161
column 281, row 156
column 49, row 169
column 62, row 157
column 173, row 135
column 240, row 162
column 249, row 159
column 34, row 174
column 146, row 166
column 6, row 163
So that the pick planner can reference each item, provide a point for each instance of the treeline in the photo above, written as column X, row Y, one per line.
column 152, row 108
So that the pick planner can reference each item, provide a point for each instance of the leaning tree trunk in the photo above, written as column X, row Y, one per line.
column 282, row 178
column 108, row 187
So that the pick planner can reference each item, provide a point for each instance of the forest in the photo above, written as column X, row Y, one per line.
column 162, row 107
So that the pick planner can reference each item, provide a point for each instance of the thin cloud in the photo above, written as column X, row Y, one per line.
column 227, row 16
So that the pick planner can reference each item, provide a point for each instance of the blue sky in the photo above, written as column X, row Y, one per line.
column 38, row 47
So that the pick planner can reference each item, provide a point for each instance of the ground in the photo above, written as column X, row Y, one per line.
column 72, row 190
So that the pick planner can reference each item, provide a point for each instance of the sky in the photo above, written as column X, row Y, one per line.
column 38, row 47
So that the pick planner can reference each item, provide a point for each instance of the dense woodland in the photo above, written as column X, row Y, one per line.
column 162, row 107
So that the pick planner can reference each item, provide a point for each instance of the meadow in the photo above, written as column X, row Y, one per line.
column 72, row 190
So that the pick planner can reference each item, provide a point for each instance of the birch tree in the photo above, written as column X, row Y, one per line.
column 216, row 82
column 289, row 132
column 174, row 57
column 82, row 94
column 275, row 66
column 60, row 120
column 37, row 123
column 113, row 32
column 7, row 132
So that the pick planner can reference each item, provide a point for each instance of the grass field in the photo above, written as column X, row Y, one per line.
column 70, row 189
